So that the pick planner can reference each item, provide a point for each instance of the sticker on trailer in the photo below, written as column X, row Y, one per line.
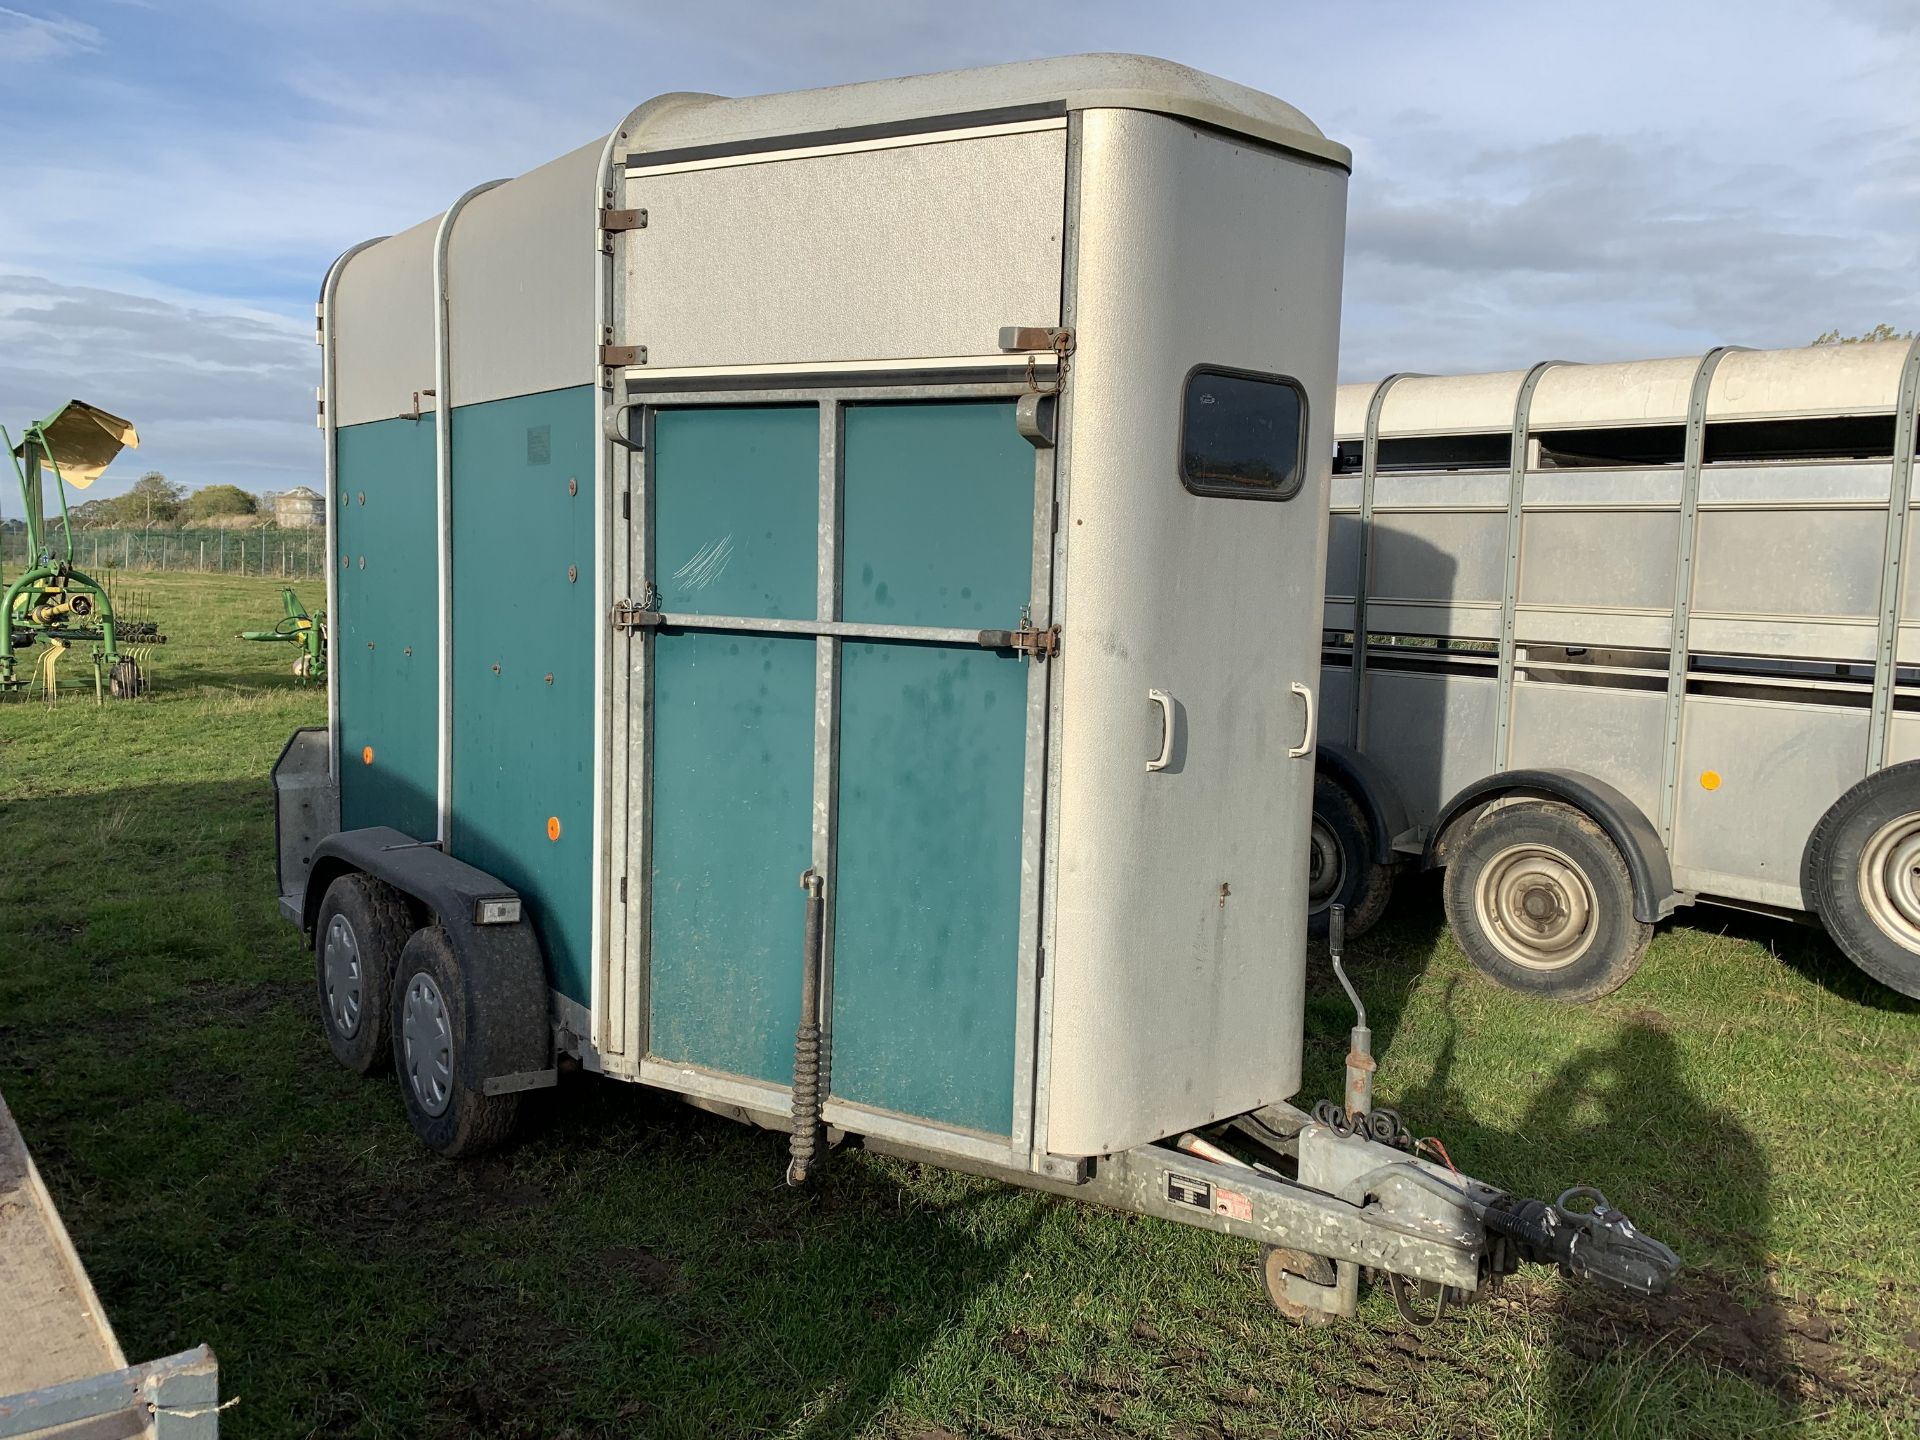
column 1185, row 1190
column 1232, row 1204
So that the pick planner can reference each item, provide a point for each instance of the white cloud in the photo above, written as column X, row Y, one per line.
column 1529, row 181
column 35, row 39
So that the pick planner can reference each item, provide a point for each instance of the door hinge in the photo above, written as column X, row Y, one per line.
column 623, row 889
column 1026, row 642
column 626, row 504
column 613, row 220
column 629, row 616
column 621, row 356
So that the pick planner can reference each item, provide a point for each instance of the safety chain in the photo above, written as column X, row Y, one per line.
column 1063, row 346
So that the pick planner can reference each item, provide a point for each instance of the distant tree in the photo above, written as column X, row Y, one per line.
column 211, row 502
column 1878, row 332
column 153, row 500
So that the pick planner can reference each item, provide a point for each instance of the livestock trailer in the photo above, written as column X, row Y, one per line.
column 825, row 603
column 1605, row 640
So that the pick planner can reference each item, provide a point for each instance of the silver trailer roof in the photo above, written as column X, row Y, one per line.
column 1748, row 385
column 1069, row 82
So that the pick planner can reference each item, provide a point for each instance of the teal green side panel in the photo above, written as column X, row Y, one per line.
column 736, row 510
column 939, row 507
column 732, row 830
column 927, row 904
column 523, row 627
column 385, row 640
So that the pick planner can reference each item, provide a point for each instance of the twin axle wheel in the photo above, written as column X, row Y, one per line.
column 391, row 994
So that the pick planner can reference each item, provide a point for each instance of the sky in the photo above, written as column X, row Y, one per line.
column 1577, row 180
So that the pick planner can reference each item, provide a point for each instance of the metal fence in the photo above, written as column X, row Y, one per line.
column 293, row 554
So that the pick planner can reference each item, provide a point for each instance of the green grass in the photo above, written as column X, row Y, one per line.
column 637, row 1267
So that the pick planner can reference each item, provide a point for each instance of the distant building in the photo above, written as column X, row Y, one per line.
column 299, row 509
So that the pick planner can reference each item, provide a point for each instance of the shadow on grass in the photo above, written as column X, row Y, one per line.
column 1620, row 1116
column 633, row 1266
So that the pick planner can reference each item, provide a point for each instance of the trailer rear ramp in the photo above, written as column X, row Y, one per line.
column 62, row 1372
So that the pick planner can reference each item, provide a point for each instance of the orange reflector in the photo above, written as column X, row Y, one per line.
column 366, row 756
column 1709, row 779
column 553, row 827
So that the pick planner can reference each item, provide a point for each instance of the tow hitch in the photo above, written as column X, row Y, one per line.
column 1448, row 1234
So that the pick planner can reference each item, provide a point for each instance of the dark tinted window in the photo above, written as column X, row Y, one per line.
column 1241, row 434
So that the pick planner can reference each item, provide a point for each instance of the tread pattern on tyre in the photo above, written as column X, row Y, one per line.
column 473, row 1123
column 1368, row 885
column 388, row 924
column 1831, row 874
column 1615, row 953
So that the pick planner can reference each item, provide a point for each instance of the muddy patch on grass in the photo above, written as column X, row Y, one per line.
column 1788, row 1346
column 383, row 1214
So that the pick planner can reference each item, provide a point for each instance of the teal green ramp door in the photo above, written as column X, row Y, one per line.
column 938, row 504
column 936, row 533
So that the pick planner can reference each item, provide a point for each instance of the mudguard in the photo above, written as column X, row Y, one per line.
column 509, row 1039
column 1375, row 791
column 1654, row 897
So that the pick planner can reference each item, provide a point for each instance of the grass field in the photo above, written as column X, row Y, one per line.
column 634, row 1267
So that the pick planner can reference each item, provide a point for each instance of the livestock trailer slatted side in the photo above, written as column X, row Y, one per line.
column 1688, row 579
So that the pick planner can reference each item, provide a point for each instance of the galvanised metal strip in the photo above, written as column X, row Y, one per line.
column 1510, row 590
column 826, row 712
column 1369, row 465
column 329, row 430
column 1677, row 654
column 443, row 499
column 1892, row 566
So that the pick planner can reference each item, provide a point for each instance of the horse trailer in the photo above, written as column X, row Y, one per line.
column 825, row 602
column 1604, row 640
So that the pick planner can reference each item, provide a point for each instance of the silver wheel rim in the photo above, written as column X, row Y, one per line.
column 1890, row 880
column 427, row 1040
column 1535, row 906
column 340, row 966
column 1326, row 866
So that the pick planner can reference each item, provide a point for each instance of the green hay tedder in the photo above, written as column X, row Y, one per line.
column 52, row 608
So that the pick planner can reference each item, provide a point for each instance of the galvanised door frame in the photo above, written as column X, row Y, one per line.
column 626, row 961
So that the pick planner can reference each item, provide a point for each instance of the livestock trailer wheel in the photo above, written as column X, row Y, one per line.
column 1277, row 1263
column 1341, row 869
column 1863, row 872
column 1541, row 901
column 363, row 925
column 429, row 1007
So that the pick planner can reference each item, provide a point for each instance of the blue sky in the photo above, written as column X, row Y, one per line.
column 1584, row 181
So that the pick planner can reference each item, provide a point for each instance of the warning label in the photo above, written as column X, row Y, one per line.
column 1184, row 1190
column 1232, row 1204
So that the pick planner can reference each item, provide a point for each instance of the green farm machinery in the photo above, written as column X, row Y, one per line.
column 297, row 627
column 52, row 608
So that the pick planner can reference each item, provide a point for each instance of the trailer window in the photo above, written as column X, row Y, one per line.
column 1242, row 434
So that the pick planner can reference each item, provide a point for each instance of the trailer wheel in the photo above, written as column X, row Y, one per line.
column 125, row 681
column 1277, row 1263
column 362, row 927
column 429, row 1022
column 1863, row 871
column 1341, row 869
column 1541, row 901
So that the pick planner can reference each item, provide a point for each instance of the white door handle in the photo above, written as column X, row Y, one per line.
column 1165, row 702
column 1305, row 747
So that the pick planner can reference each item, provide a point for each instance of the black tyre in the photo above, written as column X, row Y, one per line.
column 1541, row 901
column 125, row 680
column 1341, row 869
column 1863, row 871
column 429, row 1026
column 363, row 925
